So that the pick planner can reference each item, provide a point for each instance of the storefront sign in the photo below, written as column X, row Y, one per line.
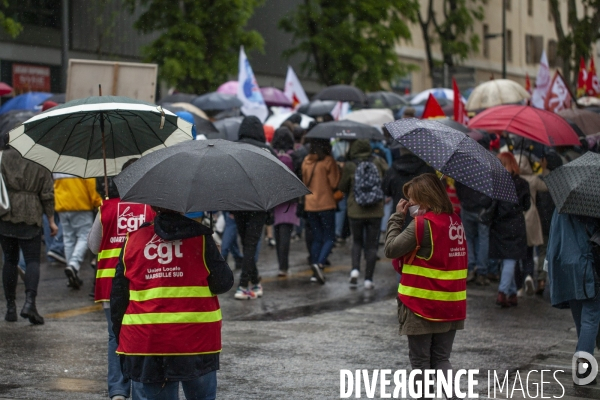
column 30, row 78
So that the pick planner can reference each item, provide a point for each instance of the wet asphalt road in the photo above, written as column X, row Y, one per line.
column 291, row 344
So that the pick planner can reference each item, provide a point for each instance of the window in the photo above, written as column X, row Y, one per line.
column 534, row 45
column 530, row 8
column 507, row 5
column 45, row 13
column 509, row 46
column 486, row 44
column 553, row 60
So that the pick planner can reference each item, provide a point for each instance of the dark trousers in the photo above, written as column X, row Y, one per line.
column 431, row 351
column 365, row 234
column 31, row 253
column 322, row 226
column 250, row 226
column 283, row 236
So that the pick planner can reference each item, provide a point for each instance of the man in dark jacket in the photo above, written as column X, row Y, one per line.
column 250, row 224
column 478, row 234
column 196, row 372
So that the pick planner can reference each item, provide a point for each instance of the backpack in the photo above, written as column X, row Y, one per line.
column 367, row 183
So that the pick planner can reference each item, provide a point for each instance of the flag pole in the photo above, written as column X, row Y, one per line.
column 103, row 148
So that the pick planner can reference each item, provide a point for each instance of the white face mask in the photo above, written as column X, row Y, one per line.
column 413, row 210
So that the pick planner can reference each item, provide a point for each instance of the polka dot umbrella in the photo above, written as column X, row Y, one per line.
column 456, row 155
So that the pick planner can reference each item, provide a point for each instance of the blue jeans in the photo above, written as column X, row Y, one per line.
column 507, row 279
column 202, row 388
column 117, row 384
column 322, row 225
column 76, row 228
column 478, row 241
column 54, row 244
column 387, row 212
column 586, row 314
column 340, row 216
column 229, row 241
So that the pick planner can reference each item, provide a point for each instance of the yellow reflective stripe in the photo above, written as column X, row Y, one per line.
column 105, row 273
column 434, row 273
column 172, row 318
column 170, row 292
column 432, row 294
column 111, row 253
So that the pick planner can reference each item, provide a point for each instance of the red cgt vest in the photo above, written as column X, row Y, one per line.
column 171, row 309
column 118, row 218
column 435, row 288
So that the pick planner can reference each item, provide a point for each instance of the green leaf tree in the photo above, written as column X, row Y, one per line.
column 9, row 25
column 350, row 41
column 576, row 41
column 199, row 41
column 453, row 29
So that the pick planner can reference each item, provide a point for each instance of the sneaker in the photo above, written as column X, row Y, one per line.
column 471, row 276
column 520, row 293
column 257, row 290
column 242, row 293
column 57, row 256
column 73, row 278
column 271, row 242
column 369, row 284
column 282, row 274
column 318, row 273
column 313, row 279
column 482, row 281
column 354, row 277
column 529, row 286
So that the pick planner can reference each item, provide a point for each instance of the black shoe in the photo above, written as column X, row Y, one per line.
column 73, row 278
column 30, row 311
column 11, row 311
column 318, row 273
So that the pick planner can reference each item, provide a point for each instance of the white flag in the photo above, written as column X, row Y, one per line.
column 248, row 91
column 294, row 90
column 542, row 83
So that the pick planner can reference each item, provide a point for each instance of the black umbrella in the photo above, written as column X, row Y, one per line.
column 210, row 175
column 14, row 118
column 472, row 133
column 345, row 129
column 203, row 126
column 575, row 187
column 317, row 108
column 386, row 100
column 217, row 101
column 456, row 155
column 342, row 93
column 177, row 98
column 229, row 127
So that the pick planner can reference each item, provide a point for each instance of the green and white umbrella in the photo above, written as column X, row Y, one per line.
column 79, row 136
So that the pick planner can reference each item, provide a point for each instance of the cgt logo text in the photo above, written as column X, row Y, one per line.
column 460, row 384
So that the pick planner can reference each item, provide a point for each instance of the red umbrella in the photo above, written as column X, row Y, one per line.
column 5, row 89
column 530, row 122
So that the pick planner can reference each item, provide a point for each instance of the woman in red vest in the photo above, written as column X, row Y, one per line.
column 431, row 256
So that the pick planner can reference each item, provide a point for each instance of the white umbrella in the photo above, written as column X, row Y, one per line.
column 277, row 119
column 371, row 116
column 496, row 92
column 438, row 93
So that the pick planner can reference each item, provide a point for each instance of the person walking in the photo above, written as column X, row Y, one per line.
column 76, row 199
column 285, row 214
column 250, row 224
column 361, row 182
column 31, row 194
column 508, row 235
column 112, row 224
column 164, row 307
column 321, row 176
column 431, row 256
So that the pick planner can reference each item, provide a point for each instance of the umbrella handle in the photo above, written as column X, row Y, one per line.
column 162, row 117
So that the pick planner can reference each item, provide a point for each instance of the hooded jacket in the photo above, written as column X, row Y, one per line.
column 360, row 150
column 252, row 132
column 533, row 222
column 321, row 177
column 154, row 369
column 403, row 169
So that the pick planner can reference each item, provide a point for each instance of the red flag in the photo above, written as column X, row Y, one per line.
column 582, row 78
column 558, row 97
column 460, row 114
column 527, row 83
column 593, row 86
column 432, row 108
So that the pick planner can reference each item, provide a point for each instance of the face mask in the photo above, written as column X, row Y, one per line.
column 413, row 210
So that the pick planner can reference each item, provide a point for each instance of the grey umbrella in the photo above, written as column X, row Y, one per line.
column 177, row 98
column 342, row 93
column 344, row 129
column 317, row 108
column 229, row 127
column 217, row 101
column 210, row 175
column 575, row 187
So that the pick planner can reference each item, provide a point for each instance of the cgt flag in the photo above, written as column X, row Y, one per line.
column 248, row 91
column 558, row 97
column 582, row 78
column 542, row 83
column 294, row 90
column 593, row 85
column 460, row 114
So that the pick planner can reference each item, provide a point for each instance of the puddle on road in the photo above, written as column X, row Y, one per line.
column 76, row 385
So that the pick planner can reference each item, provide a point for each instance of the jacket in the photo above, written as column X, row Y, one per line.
column 403, row 169
column 75, row 194
column 533, row 223
column 323, row 176
column 508, row 237
column 570, row 259
column 153, row 369
column 471, row 200
column 252, row 132
column 360, row 150
column 30, row 189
